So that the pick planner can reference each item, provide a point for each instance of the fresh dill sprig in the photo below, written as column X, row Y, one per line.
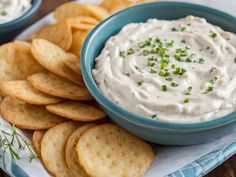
column 8, row 142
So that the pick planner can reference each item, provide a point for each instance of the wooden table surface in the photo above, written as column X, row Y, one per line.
column 227, row 169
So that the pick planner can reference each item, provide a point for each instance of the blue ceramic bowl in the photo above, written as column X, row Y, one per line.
column 156, row 131
column 10, row 29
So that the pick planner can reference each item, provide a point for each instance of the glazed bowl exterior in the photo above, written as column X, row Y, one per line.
column 155, row 131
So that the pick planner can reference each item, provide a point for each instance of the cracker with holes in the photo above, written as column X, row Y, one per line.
column 52, row 57
column 24, row 91
column 57, row 86
column 28, row 116
column 109, row 151
column 53, row 146
column 76, row 111
column 70, row 151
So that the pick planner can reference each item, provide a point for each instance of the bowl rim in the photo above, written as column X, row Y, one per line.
column 35, row 6
column 121, row 112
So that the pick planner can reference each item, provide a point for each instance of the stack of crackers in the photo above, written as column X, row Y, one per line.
column 43, row 91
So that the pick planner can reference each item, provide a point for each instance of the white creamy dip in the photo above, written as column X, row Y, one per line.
column 12, row 9
column 179, row 71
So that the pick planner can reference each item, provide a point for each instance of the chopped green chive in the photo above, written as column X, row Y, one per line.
column 169, row 79
column 162, row 52
column 146, row 43
column 188, row 91
column 142, row 45
column 140, row 83
column 154, row 116
column 145, row 53
column 164, row 73
column 212, row 81
column 188, row 60
column 178, row 57
column 213, row 35
column 212, row 69
column 152, row 71
column 183, row 41
column 151, row 64
column 235, row 60
column 164, row 88
column 152, row 51
column 137, row 68
column 152, row 59
column 179, row 71
column 170, row 44
column 187, row 47
column 173, row 84
column 130, row 51
column 180, row 28
column 3, row 13
column 183, row 29
column 201, row 61
column 183, row 55
column 186, row 100
column 209, row 89
column 164, row 63
column 122, row 54
column 174, row 29
column 158, row 40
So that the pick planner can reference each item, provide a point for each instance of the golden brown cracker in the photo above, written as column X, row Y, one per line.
column 28, row 116
column 108, row 150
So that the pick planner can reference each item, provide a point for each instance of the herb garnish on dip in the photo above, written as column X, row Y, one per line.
column 180, row 70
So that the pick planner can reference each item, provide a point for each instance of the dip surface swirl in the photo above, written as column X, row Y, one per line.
column 180, row 71
column 12, row 9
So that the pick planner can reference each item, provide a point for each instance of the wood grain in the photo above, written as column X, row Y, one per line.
column 227, row 169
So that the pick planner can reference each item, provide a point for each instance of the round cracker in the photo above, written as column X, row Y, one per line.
column 98, row 12
column 53, row 146
column 107, row 150
column 24, row 91
column 52, row 57
column 36, row 140
column 76, row 111
column 70, row 9
column 71, row 155
column 58, row 86
column 28, row 116
column 78, row 39
column 17, row 62
column 74, row 65
column 59, row 33
column 110, row 4
column 82, row 22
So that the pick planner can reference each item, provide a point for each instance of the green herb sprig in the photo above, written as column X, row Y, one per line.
column 8, row 142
